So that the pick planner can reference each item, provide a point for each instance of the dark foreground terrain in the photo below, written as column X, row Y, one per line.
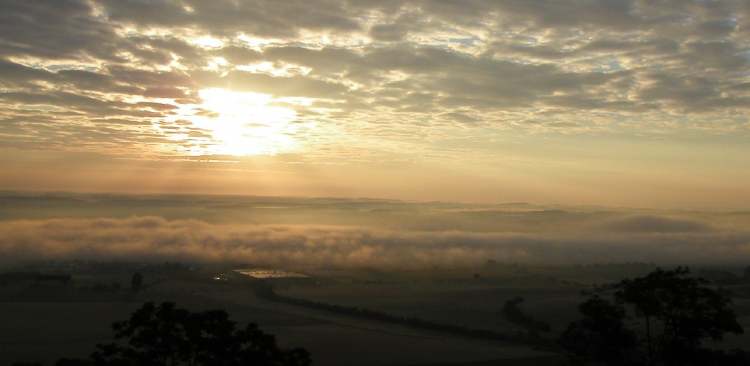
column 436, row 317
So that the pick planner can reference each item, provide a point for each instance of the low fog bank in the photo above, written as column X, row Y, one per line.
column 623, row 238
column 334, row 232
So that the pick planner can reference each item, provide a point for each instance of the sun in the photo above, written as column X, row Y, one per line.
column 244, row 123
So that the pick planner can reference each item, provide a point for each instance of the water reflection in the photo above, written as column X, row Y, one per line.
column 270, row 273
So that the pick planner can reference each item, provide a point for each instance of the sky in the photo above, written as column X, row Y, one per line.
column 629, row 103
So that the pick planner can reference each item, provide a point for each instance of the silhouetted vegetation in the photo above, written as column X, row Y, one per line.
column 266, row 291
column 160, row 335
column 601, row 335
column 663, row 318
column 515, row 315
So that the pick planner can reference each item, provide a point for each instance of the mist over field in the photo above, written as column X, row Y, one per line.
column 358, row 233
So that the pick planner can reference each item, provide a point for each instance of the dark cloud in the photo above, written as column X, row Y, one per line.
column 55, row 29
column 225, row 17
column 164, row 92
column 388, row 32
column 717, row 28
column 690, row 93
column 399, row 28
column 571, row 13
column 450, row 73
column 721, row 55
column 240, row 55
column 61, row 99
column 143, row 77
column 13, row 74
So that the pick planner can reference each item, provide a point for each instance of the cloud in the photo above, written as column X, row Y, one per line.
column 644, row 239
column 293, row 86
column 374, row 69
column 55, row 29
column 225, row 17
column 655, row 224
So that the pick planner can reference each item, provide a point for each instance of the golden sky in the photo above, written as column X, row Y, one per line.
column 628, row 103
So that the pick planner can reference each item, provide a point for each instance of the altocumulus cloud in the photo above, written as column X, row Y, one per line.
column 365, row 64
column 155, row 238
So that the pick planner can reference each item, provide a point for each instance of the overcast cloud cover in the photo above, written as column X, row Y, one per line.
column 572, row 101
column 96, row 74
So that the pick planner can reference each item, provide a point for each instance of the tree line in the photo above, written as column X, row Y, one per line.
column 165, row 335
column 266, row 291
column 667, row 317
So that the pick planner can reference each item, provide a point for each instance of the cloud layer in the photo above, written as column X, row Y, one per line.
column 634, row 239
column 124, row 76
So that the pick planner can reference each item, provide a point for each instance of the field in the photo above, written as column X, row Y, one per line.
column 46, row 320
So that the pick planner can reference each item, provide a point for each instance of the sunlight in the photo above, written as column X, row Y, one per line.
column 207, row 42
column 245, row 123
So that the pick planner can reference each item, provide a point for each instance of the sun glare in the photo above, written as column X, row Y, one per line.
column 243, row 123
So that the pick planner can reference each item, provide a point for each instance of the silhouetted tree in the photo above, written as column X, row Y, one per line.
column 514, row 314
column 685, row 308
column 136, row 282
column 601, row 334
column 165, row 335
column 675, row 311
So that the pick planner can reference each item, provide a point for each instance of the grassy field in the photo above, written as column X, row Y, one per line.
column 42, row 322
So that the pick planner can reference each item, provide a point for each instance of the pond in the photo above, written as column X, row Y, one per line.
column 264, row 273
